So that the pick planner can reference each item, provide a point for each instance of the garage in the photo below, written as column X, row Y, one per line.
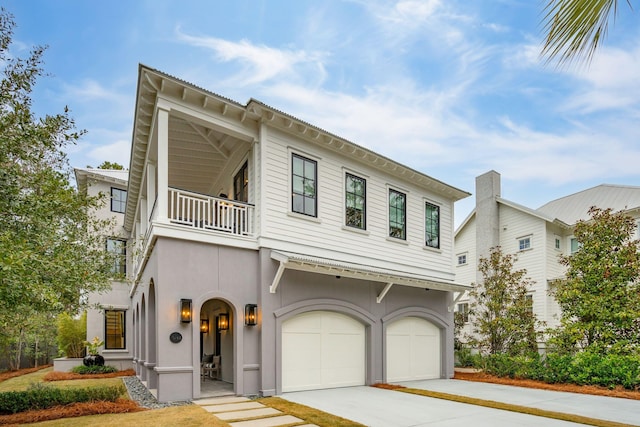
column 413, row 350
column 322, row 349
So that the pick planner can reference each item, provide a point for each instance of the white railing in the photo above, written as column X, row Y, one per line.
column 210, row 213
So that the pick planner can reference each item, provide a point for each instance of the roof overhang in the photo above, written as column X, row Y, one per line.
column 332, row 267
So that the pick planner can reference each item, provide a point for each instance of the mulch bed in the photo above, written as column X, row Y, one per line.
column 571, row 388
column 62, row 376
column 73, row 410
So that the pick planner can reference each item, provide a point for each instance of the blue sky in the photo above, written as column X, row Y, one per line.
column 449, row 87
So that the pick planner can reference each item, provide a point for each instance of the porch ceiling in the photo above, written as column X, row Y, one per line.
column 198, row 155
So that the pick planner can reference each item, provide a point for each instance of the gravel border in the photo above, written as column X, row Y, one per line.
column 139, row 393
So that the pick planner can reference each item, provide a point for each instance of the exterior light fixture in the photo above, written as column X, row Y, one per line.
column 185, row 310
column 223, row 321
column 204, row 326
column 251, row 314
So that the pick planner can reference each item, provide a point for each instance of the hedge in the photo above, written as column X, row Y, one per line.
column 43, row 397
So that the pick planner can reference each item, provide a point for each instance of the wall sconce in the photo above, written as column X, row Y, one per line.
column 185, row 310
column 223, row 321
column 204, row 326
column 251, row 314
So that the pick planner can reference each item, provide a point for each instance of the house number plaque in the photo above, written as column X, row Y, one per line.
column 175, row 337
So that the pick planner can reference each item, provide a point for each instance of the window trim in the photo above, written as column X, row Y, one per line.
column 112, row 199
column 404, row 228
column 346, row 176
column 122, row 255
column 124, row 329
column 462, row 254
column 437, row 206
column 316, row 162
column 245, row 187
column 521, row 239
column 465, row 313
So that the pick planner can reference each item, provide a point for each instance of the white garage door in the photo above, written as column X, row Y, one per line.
column 322, row 349
column 413, row 350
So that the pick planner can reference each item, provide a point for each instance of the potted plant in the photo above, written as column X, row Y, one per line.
column 93, row 358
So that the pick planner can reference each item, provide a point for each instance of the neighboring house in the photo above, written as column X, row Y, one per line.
column 112, row 318
column 537, row 236
column 301, row 259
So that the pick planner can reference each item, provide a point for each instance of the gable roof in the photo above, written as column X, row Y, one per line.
column 114, row 176
column 574, row 207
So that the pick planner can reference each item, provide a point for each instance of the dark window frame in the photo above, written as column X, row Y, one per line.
column 241, row 187
column 123, row 333
column 431, row 236
column 117, row 203
column 397, row 228
column 350, row 220
column 305, row 196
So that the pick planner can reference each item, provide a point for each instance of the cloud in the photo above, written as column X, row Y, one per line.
column 259, row 63
column 117, row 151
column 91, row 90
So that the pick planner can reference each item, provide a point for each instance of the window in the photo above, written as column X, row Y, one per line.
column 558, row 243
column 304, row 179
column 432, row 225
column 241, row 184
column 117, row 249
column 463, row 309
column 118, row 200
column 524, row 243
column 529, row 300
column 114, row 330
column 397, row 214
column 574, row 245
column 462, row 259
column 355, row 201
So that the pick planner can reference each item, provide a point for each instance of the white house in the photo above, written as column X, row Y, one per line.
column 537, row 236
column 303, row 260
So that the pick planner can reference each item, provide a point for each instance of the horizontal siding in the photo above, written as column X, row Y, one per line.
column 465, row 242
column 327, row 233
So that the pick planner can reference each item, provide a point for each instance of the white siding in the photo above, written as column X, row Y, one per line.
column 326, row 232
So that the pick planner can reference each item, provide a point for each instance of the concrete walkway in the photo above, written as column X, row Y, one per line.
column 243, row 412
column 385, row 408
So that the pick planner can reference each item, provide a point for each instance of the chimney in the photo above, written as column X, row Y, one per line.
column 487, row 214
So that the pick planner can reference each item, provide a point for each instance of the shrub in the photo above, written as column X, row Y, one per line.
column 72, row 334
column 42, row 397
column 94, row 369
column 464, row 357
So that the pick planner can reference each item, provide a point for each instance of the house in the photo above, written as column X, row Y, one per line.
column 303, row 260
column 537, row 236
column 109, row 320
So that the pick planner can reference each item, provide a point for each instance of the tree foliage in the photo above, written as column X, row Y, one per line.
column 51, row 251
column 111, row 165
column 575, row 28
column 502, row 316
column 600, row 294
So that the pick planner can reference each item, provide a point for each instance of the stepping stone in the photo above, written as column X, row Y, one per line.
column 220, row 400
column 251, row 413
column 233, row 407
column 268, row 422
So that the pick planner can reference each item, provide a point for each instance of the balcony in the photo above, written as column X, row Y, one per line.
column 214, row 214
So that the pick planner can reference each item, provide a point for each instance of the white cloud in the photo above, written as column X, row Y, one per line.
column 117, row 151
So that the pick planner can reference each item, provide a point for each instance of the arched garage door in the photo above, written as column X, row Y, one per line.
column 413, row 350
column 322, row 349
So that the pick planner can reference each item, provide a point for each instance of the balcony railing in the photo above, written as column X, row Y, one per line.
column 210, row 213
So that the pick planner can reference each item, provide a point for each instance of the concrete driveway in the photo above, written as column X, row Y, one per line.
column 385, row 408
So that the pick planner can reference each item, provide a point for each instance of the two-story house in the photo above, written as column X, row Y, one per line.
column 303, row 260
column 537, row 236
column 109, row 319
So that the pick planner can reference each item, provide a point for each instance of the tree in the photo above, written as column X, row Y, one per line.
column 51, row 251
column 503, row 319
column 600, row 294
column 111, row 165
column 574, row 28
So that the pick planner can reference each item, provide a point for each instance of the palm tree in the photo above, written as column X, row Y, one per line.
column 574, row 28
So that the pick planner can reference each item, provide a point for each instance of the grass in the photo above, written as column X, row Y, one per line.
column 309, row 415
column 25, row 381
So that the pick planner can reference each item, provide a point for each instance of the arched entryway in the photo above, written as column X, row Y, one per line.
column 216, row 348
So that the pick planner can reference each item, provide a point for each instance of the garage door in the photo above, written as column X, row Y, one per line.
column 322, row 349
column 413, row 350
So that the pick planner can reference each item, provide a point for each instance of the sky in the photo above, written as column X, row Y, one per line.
column 452, row 88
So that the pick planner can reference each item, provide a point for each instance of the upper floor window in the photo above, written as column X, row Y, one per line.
column 241, row 184
column 355, row 201
column 462, row 259
column 529, row 300
column 432, row 225
column 303, row 185
column 117, row 248
column 557, row 243
column 575, row 245
column 118, row 200
column 397, row 214
column 114, row 330
column 524, row 243
column 463, row 309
